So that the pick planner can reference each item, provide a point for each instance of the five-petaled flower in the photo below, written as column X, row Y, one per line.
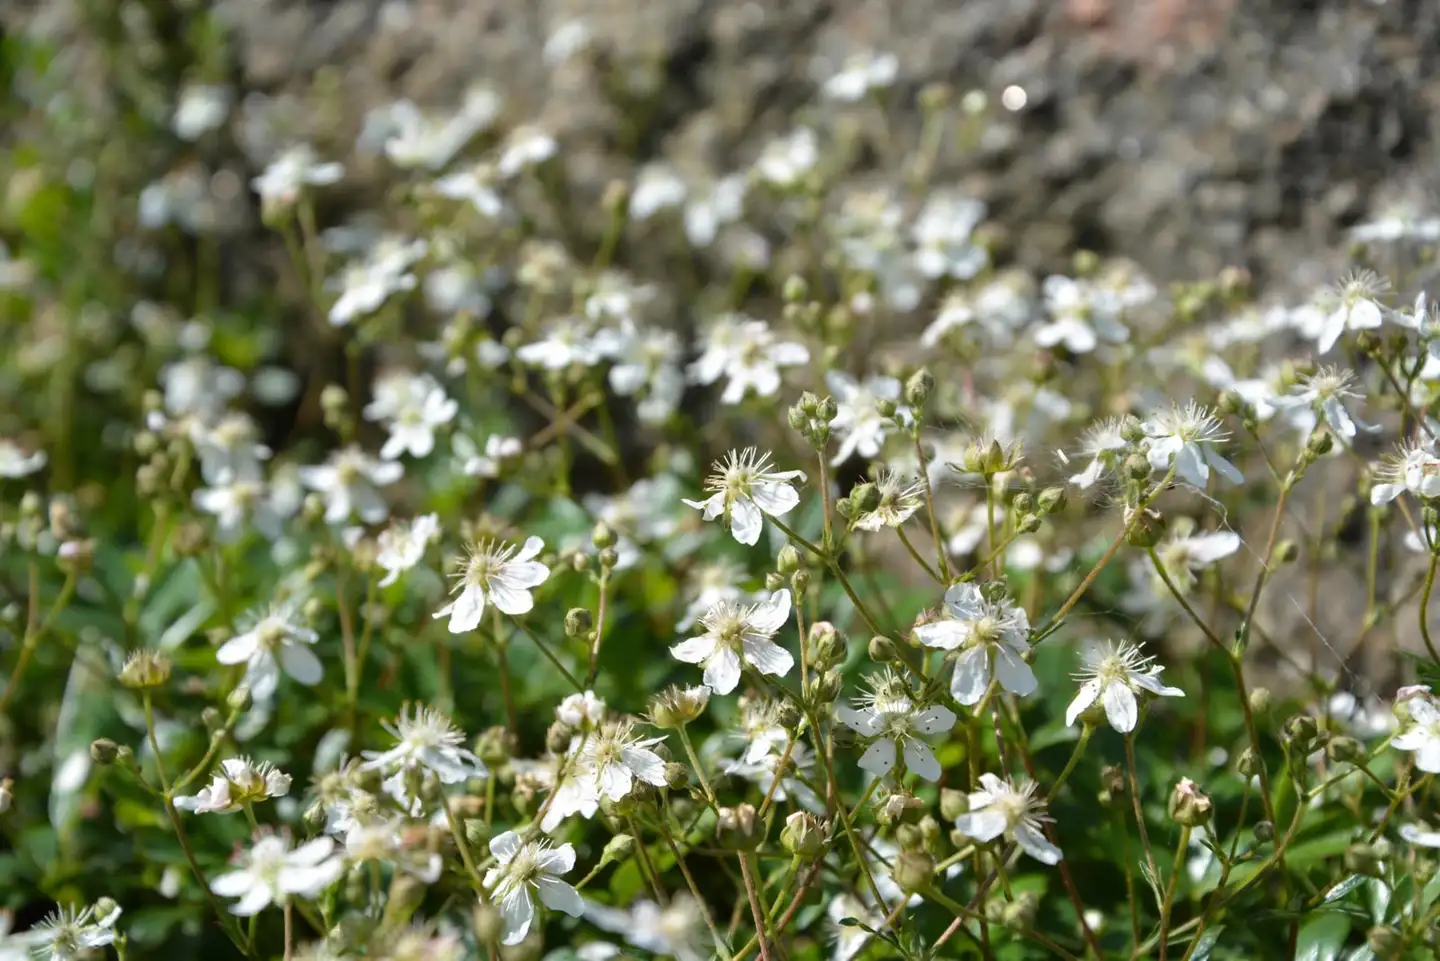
column 526, row 866
column 991, row 638
column 495, row 573
column 743, row 488
column 1001, row 807
column 735, row 635
column 1116, row 676
column 891, row 716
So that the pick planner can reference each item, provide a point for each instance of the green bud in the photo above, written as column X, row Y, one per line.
column 738, row 828
column 788, row 560
column 918, row 388
column 1189, row 806
column 866, row 497
column 1319, row 443
column 797, row 419
column 913, row 871
column 826, row 647
column 804, row 835
column 239, row 699
column 334, row 398
column 846, row 508
column 1301, row 729
column 1019, row 915
column 881, row 649
column 808, row 404
column 1386, row 942
column 795, row 289
column 495, row 746
column 1028, row 524
column 953, row 803
column 1249, row 763
column 1052, row 500
column 1137, row 467
column 822, row 689
column 800, row 583
column 608, row 558
column 602, row 536
column 1362, row 858
column 578, row 622
column 1261, row 700
column 618, row 848
column 885, row 407
column 677, row 775
column 104, row 751
column 1132, row 430
column 1022, row 502
column 1343, row 749
column 558, row 736
column 826, row 410
column 1287, row 552
column 477, row 832
column 909, row 837
column 1147, row 531
column 774, row 581
column 144, row 670
column 1264, row 831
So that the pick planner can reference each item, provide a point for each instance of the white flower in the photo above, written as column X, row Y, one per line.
column 1003, row 808
column 1186, row 438
column 942, row 235
column 857, row 421
column 1356, row 307
column 1324, row 394
column 672, row 931
column 498, row 449
column 762, row 772
column 1114, row 676
column 982, row 631
column 385, row 841
column 711, row 583
column 748, row 354
column 860, row 74
column 896, row 722
column 14, row 462
column 1184, row 554
column 473, row 187
column 760, row 729
column 734, row 634
column 614, row 758
column 348, row 481
column 240, row 781
column 1413, row 468
column 293, row 171
column 500, row 574
column 201, row 109
column 526, row 147
column 412, row 406
column 850, row 939
column 647, row 363
column 432, row 142
column 567, row 341
column 785, row 161
column 1416, row 834
column 525, row 866
column 744, row 489
column 1420, row 732
column 1104, row 443
column 709, row 210
column 238, row 502
column 425, row 741
column 402, row 546
column 656, row 188
column 270, row 872
column 900, row 498
column 580, row 711
column 229, row 449
column 69, row 933
column 1082, row 314
column 275, row 640
column 365, row 285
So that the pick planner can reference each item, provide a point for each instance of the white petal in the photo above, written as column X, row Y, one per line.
column 510, row 600
column 722, row 671
column 775, row 498
column 301, row 663
column 943, row 635
column 505, row 846
column 1015, row 675
column 517, row 911
column 771, row 615
column 1089, row 691
column 559, row 860
column 465, row 610
column 745, row 522
column 255, row 900
column 934, row 720
column 238, row 649
column 879, row 758
column 559, row 896
column 694, row 650
column 767, row 657
column 1033, row 843
column 1120, row 708
column 232, row 884
column 646, row 765
column 982, row 825
column 972, row 676
column 865, row 723
column 921, row 760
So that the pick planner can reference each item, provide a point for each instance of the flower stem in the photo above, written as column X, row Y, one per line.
column 1181, row 846
column 699, row 769
column 550, row 655
column 755, row 910
column 1080, row 745
column 34, row 631
column 1425, row 606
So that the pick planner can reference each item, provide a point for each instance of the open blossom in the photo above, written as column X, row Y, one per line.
column 613, row 759
column 1420, row 731
column 1116, row 677
column 568, row 341
column 743, row 488
column 496, row 573
column 580, row 711
column 411, row 407
column 68, row 933
column 426, row 741
column 14, row 462
column 943, row 234
column 293, row 171
column 1326, row 394
column 275, row 640
column 240, row 781
column 1184, row 554
column 237, row 504
column 748, row 354
column 1356, row 306
column 860, row 74
column 527, row 147
column 1414, row 468
column 271, row 871
column 1104, row 444
column 402, row 545
column 386, row 841
column 735, row 635
column 365, row 285
column 991, row 637
column 526, row 866
column 900, row 498
column 896, row 722
column 1186, row 438
column 857, row 422
column 1082, row 314
column 497, row 451
column 348, row 483
column 1012, row 810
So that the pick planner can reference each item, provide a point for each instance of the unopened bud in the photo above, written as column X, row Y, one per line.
column 558, row 737
column 1189, row 806
column 774, row 581
column 800, row 583
column 145, row 669
column 1301, row 728
column 677, row 775
column 1137, row 467
column 1362, row 858
column 1319, row 443
column 788, row 560
column 1052, row 500
column 1343, row 749
column 239, row 699
column 913, row 871
column 738, row 828
column 1028, row 524
column 618, row 848
column 826, row 647
column 1249, row 763
column 1261, row 700
column 822, row 689
column 881, row 649
column 953, row 803
column 795, row 289
column 804, row 835
column 608, row 558
column 578, row 622
column 76, row 556
column 104, row 751
column 333, row 398
column 1264, row 831
column 918, row 388
column 1019, row 915
column 909, row 837
column 1287, row 552
column 1385, row 942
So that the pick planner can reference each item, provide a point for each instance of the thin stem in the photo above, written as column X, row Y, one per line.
column 155, row 743
column 462, row 845
column 1425, row 606
column 599, row 628
column 34, row 632
column 755, row 911
column 550, row 655
column 1181, row 846
column 699, row 769
column 289, row 930
column 675, row 851
column 940, row 557
column 1139, row 812
column 642, row 860
column 916, row 555
column 775, row 778
column 1080, row 745
column 839, row 809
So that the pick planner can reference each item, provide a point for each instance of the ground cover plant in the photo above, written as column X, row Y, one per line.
column 761, row 568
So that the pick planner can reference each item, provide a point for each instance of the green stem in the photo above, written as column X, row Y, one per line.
column 700, row 770
column 755, row 911
column 1425, row 606
column 550, row 655
column 1181, row 846
column 1080, row 745
column 34, row 632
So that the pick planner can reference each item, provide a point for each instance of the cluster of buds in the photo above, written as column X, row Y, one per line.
column 811, row 417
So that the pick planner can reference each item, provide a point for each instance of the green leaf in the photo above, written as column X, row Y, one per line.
column 1206, row 944
column 1322, row 937
column 1343, row 888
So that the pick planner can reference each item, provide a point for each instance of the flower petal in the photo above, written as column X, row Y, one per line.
column 921, row 760
column 559, row 896
column 879, row 758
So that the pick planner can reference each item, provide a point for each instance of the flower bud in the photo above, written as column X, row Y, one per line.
column 797, row 419
column 1261, row 700
column 826, row 647
column 918, row 388
column 804, row 835
column 558, row 737
column 1249, row 764
column 1343, row 749
column 677, row 775
column 1147, row 531
column 795, row 290
column 953, row 803
column 495, row 746
column 145, row 669
column 1301, row 729
column 1319, row 443
column 676, row 707
column 787, row 562
column 488, row 924
column 190, row 540
column 1019, row 915
column 822, row 689
column 618, row 848
column 1189, row 806
column 1264, row 831
column 578, row 622
column 608, row 558
column 1287, row 552
column 825, row 413
column 881, row 649
column 1137, row 467
column 865, row 496
column 104, row 751
column 602, row 536
column 774, row 581
column 800, row 583
column 1023, row 501
column 913, row 871
column 1028, row 524
column 1052, row 500
column 76, row 556
column 738, row 828
column 1362, row 858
